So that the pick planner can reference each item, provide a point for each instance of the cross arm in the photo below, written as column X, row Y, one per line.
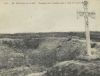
column 91, row 14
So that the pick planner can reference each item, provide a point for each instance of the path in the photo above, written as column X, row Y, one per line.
column 37, row 74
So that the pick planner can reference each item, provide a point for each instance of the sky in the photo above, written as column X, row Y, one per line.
column 34, row 16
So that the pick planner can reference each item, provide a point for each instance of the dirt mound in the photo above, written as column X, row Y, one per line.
column 75, row 68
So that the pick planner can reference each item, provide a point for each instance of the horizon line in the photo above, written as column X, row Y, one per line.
column 46, row 32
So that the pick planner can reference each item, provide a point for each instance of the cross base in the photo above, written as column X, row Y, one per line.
column 89, row 58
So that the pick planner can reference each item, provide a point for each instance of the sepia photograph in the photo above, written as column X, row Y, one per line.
column 49, row 37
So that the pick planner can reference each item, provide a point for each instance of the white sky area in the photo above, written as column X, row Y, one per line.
column 19, row 18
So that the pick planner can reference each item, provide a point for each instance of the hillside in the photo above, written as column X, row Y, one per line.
column 23, row 54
